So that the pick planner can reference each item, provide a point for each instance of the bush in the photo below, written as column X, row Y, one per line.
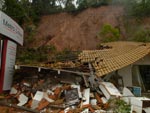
column 31, row 55
column 122, row 107
column 142, row 35
column 109, row 33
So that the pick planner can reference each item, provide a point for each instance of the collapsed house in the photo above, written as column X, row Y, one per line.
column 125, row 62
column 128, row 62
column 88, row 84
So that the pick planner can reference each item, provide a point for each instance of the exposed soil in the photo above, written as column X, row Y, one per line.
column 76, row 31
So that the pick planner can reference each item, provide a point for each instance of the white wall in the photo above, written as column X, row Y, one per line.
column 126, row 72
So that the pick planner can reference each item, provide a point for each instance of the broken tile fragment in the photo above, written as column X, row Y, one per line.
column 13, row 90
column 38, row 96
column 36, row 99
column 22, row 100
column 93, row 102
column 42, row 104
column 47, row 98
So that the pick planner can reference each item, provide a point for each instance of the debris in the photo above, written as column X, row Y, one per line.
column 146, row 109
column 86, row 95
column 57, row 92
column 38, row 96
column 34, row 104
column 104, row 100
column 18, row 107
column 78, row 88
column 50, row 92
column 93, row 102
column 127, row 95
column 109, row 90
column 135, row 90
column 127, row 92
column 36, row 99
column 99, row 100
column 72, row 96
column 22, row 100
column 13, row 91
column 26, row 84
column 47, row 98
column 45, row 95
column 85, row 81
column 101, row 111
column 42, row 104
column 66, row 110
column 53, row 92
column 142, row 102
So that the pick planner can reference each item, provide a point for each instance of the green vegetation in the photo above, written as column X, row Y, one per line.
column 30, row 31
column 83, row 4
column 135, row 13
column 33, row 56
column 45, row 54
column 14, row 9
column 66, row 55
column 141, row 9
column 119, row 106
column 109, row 33
column 25, row 11
column 122, row 106
column 27, row 14
column 134, row 8
column 142, row 35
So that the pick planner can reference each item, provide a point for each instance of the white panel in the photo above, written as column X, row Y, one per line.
column 9, row 66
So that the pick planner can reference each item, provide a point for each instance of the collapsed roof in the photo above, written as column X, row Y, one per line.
column 114, row 55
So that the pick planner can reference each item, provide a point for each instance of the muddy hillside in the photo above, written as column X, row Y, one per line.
column 77, row 31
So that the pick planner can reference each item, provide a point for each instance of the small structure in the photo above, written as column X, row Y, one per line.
column 10, row 35
column 129, row 61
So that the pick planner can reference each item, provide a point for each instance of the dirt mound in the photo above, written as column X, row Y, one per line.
column 76, row 31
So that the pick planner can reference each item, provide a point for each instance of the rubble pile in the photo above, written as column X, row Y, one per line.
column 43, row 90
column 48, row 95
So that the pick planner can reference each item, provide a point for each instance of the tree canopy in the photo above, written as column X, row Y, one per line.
column 25, row 10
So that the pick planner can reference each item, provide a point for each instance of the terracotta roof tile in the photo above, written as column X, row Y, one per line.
column 119, row 55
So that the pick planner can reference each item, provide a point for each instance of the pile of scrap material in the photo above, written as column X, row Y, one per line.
column 50, row 96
